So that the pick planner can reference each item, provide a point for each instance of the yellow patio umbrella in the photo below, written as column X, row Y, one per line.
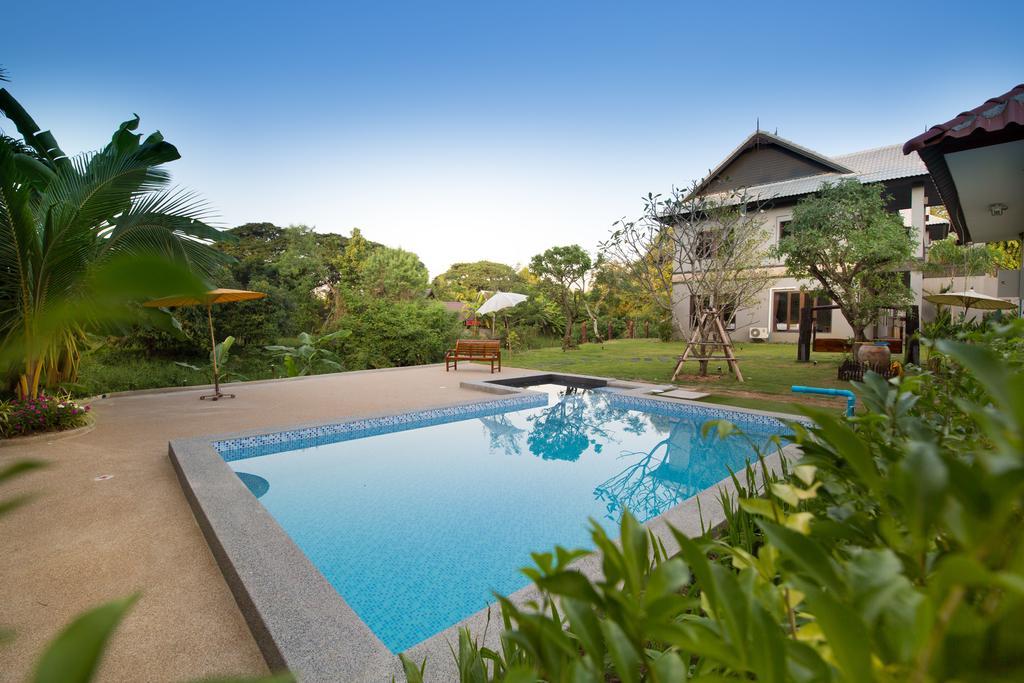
column 214, row 296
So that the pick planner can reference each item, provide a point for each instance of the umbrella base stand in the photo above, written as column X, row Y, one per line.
column 215, row 396
column 217, row 393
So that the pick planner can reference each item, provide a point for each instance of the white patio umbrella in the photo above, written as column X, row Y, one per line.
column 499, row 301
column 968, row 300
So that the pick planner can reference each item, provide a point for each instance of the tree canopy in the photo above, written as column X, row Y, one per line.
column 463, row 281
column 394, row 273
column 853, row 248
column 563, row 270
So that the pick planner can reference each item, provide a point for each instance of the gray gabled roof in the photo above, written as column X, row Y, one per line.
column 869, row 166
column 761, row 137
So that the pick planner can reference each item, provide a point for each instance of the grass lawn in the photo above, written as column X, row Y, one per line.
column 769, row 370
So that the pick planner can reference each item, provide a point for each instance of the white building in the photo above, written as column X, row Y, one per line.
column 777, row 174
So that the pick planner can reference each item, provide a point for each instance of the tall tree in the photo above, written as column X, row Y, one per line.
column 563, row 271
column 846, row 241
column 61, row 217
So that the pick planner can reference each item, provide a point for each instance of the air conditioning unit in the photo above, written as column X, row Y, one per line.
column 759, row 333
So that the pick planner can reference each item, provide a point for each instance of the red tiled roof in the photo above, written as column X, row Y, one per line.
column 995, row 115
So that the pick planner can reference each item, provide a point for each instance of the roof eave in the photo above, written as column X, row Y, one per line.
column 982, row 126
column 935, row 160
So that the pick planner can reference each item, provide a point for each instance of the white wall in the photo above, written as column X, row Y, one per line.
column 761, row 314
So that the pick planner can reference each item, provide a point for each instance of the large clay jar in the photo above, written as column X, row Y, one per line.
column 876, row 356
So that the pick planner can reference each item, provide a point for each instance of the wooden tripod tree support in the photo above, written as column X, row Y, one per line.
column 721, row 340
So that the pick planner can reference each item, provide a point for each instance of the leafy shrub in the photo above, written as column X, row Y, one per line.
column 666, row 330
column 222, row 354
column 310, row 355
column 620, row 327
column 512, row 341
column 948, row 256
column 540, row 314
column 893, row 550
column 529, row 338
column 42, row 414
column 386, row 333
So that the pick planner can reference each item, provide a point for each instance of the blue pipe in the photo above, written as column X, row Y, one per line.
column 851, row 398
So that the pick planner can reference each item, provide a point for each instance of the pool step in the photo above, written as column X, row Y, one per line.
column 685, row 394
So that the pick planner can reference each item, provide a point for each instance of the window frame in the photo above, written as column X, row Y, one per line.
column 704, row 245
column 780, row 224
column 823, row 326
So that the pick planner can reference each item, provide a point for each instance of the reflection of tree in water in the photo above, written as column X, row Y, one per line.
column 503, row 434
column 565, row 430
column 674, row 469
column 634, row 421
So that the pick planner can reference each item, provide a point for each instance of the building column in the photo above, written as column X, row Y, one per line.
column 917, row 223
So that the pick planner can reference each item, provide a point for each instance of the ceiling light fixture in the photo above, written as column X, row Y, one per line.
column 997, row 209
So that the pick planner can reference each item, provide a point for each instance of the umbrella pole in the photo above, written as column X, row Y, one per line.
column 213, row 358
column 213, row 351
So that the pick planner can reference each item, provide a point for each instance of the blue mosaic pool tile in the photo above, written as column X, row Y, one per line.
column 306, row 437
column 707, row 412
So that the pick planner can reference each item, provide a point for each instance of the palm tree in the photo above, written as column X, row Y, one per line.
column 63, row 217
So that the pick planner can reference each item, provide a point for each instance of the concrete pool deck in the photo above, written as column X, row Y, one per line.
column 82, row 542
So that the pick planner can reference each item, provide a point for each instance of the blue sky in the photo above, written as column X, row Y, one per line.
column 465, row 131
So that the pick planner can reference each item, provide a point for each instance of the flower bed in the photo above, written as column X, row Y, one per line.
column 42, row 414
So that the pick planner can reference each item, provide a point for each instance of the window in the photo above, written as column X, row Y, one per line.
column 784, row 227
column 937, row 231
column 787, row 311
column 787, row 305
column 704, row 245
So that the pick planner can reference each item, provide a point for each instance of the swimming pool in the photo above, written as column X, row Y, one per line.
column 415, row 520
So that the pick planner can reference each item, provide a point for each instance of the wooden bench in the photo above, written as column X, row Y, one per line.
column 474, row 349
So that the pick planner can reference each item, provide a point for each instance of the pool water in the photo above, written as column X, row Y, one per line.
column 417, row 528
